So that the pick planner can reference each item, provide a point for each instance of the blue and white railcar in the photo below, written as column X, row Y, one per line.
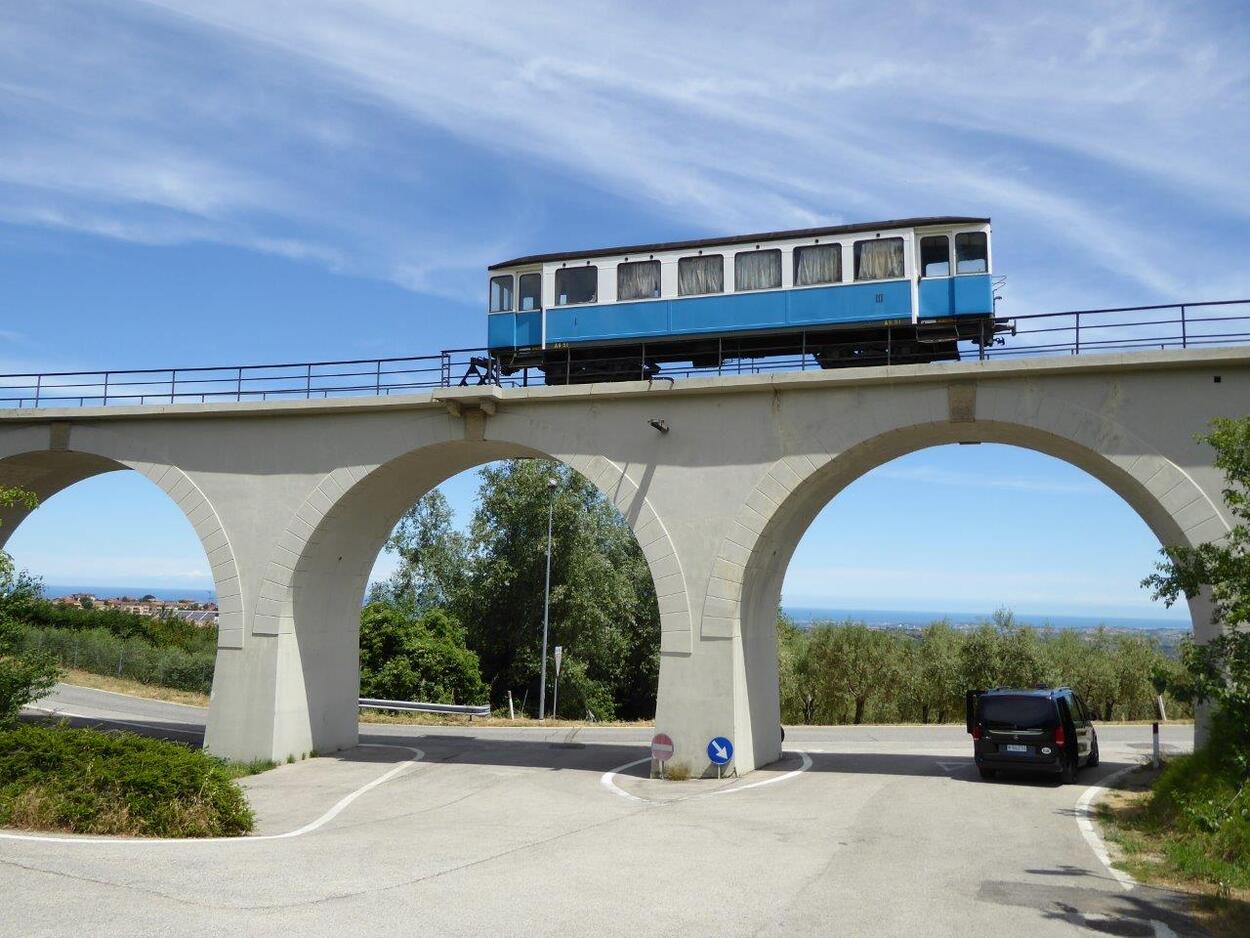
column 899, row 291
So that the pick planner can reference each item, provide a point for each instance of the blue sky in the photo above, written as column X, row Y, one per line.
column 213, row 182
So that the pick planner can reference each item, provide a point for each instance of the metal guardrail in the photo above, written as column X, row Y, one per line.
column 412, row 706
column 1074, row 332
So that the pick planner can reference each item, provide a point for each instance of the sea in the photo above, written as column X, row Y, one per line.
column 910, row 619
column 52, row 591
column 803, row 615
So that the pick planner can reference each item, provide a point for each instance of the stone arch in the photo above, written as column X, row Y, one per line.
column 313, row 585
column 752, row 557
column 49, row 471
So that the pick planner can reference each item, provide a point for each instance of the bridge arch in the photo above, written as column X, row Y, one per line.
column 752, row 558
column 311, row 593
column 49, row 471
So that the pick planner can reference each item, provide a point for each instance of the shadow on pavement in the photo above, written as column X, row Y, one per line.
column 1129, row 914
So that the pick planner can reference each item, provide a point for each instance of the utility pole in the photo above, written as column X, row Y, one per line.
column 542, row 681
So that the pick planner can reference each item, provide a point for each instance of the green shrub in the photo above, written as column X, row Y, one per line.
column 101, row 652
column 1201, row 804
column 92, row 782
column 171, row 632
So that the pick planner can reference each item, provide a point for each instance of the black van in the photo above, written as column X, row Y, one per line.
column 1046, row 729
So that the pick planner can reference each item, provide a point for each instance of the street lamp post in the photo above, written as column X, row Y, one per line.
column 542, row 681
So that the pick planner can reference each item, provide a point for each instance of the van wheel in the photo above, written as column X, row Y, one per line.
column 1093, row 755
column 987, row 774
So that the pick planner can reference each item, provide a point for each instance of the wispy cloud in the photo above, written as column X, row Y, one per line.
column 1107, row 141
column 933, row 475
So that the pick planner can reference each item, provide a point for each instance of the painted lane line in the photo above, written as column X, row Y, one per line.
column 54, row 712
column 331, row 814
column 608, row 781
column 806, row 764
column 1085, row 821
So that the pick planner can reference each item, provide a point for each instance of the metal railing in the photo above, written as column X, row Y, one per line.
column 415, row 706
column 1074, row 332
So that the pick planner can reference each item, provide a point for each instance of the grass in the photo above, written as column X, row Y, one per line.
column 83, row 781
column 1184, row 828
column 122, row 685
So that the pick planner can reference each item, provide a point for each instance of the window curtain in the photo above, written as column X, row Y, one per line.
column 879, row 260
column 701, row 275
column 638, row 281
column 817, row 263
column 757, row 270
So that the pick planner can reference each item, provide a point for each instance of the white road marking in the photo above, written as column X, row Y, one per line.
column 54, row 712
column 952, row 766
column 608, row 781
column 417, row 756
column 1085, row 821
column 1162, row 930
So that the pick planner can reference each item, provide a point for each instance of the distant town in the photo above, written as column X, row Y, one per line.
column 197, row 612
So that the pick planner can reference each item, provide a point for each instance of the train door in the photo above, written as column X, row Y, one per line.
column 934, row 272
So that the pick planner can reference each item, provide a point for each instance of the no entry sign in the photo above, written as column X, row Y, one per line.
column 662, row 747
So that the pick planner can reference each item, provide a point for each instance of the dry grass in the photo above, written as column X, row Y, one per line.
column 121, row 685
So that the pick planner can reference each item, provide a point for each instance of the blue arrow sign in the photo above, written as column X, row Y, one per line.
column 720, row 750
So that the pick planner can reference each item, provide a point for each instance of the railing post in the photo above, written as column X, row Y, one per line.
column 106, row 390
column 238, row 384
column 308, row 381
column 377, row 378
column 173, row 384
column 1184, row 331
column 38, row 388
column 1077, row 347
column 982, row 342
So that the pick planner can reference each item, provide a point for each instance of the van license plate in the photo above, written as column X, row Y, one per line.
column 1016, row 748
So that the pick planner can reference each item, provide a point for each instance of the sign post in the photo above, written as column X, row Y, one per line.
column 720, row 750
column 555, row 702
column 662, row 750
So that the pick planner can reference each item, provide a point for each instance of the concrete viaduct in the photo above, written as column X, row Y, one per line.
column 293, row 500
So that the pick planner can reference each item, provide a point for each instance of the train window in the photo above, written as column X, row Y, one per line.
column 879, row 259
column 817, row 263
column 576, row 285
column 639, row 280
column 530, row 293
column 757, row 270
column 972, row 254
column 501, row 294
column 702, row 274
column 935, row 256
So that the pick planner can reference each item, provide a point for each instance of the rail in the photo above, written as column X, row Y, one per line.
column 413, row 706
column 1073, row 332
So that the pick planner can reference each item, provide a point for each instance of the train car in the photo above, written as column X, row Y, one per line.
column 904, row 291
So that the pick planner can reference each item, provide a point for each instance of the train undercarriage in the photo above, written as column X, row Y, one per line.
column 904, row 343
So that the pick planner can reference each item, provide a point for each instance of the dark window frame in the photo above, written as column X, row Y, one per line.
column 581, row 267
column 520, row 291
column 490, row 299
column 949, row 265
column 984, row 258
column 659, row 286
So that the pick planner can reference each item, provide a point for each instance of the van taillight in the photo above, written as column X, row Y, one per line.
column 976, row 731
column 1060, row 738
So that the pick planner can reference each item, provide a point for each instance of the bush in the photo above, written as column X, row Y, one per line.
column 91, row 782
column 408, row 657
column 101, row 652
column 169, row 632
column 1201, row 806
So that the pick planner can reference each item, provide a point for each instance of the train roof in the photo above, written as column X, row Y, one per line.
column 741, row 239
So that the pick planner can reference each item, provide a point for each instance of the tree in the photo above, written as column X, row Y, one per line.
column 433, row 556
column 1219, row 671
column 862, row 663
column 24, row 676
column 404, row 656
column 800, row 673
column 1223, row 566
column 941, row 689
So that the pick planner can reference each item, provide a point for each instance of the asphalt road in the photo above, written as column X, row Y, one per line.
column 858, row 831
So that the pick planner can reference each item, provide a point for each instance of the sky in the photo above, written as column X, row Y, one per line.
column 189, row 183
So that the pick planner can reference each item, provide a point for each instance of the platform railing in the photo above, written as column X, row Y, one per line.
column 1072, row 332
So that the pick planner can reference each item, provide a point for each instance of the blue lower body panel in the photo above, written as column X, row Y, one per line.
column 656, row 320
column 967, row 295
column 514, row 330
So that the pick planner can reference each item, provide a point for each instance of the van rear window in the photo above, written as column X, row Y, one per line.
column 1018, row 713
